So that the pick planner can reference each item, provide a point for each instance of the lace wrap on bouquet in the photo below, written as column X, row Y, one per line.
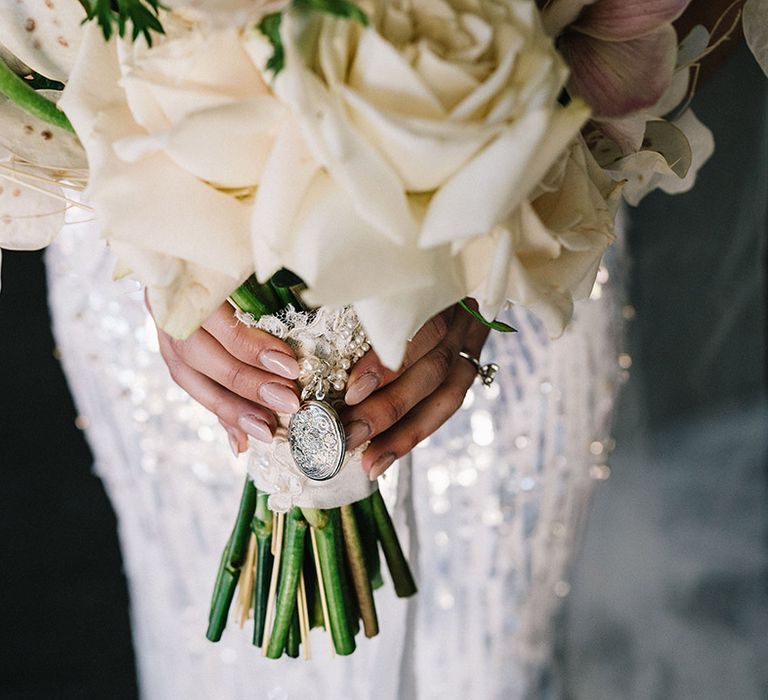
column 327, row 342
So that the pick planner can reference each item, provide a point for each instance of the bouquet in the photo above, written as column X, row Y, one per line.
column 342, row 171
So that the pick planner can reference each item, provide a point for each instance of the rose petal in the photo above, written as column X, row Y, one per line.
column 185, row 73
column 390, row 321
column 620, row 20
column 288, row 174
column 619, row 78
column 226, row 146
column 152, row 203
column 44, row 35
column 501, row 176
column 371, row 184
column 382, row 76
column 424, row 153
column 341, row 257
column 182, row 294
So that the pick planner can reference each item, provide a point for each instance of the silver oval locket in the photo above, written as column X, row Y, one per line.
column 316, row 439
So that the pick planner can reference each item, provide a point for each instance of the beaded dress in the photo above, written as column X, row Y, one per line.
column 491, row 508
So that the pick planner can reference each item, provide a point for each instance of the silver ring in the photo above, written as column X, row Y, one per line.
column 487, row 373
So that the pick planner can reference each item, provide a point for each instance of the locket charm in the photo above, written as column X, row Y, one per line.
column 317, row 441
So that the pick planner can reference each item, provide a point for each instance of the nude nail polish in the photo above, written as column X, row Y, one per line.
column 381, row 465
column 357, row 433
column 280, row 364
column 279, row 398
column 234, row 443
column 361, row 389
column 255, row 427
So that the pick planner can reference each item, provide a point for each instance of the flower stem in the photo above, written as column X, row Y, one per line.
column 367, row 526
column 398, row 565
column 221, row 600
column 351, row 604
column 18, row 92
column 331, row 561
column 294, row 635
column 241, row 533
column 359, row 571
column 262, row 528
column 290, row 569
column 231, row 561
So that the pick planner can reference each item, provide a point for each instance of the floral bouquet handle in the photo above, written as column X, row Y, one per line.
column 304, row 550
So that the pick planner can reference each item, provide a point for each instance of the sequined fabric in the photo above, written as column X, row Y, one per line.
column 492, row 508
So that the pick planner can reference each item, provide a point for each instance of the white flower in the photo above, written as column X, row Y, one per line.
column 225, row 13
column 424, row 131
column 176, row 137
column 36, row 159
column 648, row 169
column 546, row 254
column 43, row 34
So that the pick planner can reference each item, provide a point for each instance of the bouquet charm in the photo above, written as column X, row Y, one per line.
column 315, row 432
column 304, row 550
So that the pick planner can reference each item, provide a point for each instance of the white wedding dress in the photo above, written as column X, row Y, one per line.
column 491, row 509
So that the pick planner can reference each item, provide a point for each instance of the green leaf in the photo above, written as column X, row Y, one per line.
column 270, row 28
column 269, row 25
column 141, row 15
column 286, row 278
column 495, row 325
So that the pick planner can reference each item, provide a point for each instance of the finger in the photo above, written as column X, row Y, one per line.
column 431, row 413
column 238, row 440
column 250, row 345
column 230, row 408
column 388, row 405
column 419, row 423
column 202, row 352
column 369, row 373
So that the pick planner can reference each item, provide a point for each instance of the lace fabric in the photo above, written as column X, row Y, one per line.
column 491, row 508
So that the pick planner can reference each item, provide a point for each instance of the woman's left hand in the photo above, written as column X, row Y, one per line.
column 397, row 410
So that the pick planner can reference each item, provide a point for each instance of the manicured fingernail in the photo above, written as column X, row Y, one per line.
column 280, row 364
column 279, row 398
column 362, row 388
column 255, row 427
column 234, row 443
column 357, row 433
column 381, row 465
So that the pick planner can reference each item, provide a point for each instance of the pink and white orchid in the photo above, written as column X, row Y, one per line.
column 622, row 53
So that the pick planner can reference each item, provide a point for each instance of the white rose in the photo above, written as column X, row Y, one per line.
column 548, row 252
column 176, row 137
column 415, row 135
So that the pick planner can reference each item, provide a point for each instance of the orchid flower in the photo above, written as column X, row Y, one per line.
column 622, row 53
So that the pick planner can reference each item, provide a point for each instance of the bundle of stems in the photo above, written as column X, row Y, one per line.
column 308, row 567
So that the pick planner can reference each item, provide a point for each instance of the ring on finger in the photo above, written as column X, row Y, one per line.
column 486, row 373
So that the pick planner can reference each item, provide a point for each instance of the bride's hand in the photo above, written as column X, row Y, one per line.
column 241, row 374
column 397, row 410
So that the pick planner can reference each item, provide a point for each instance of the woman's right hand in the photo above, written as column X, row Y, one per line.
column 241, row 374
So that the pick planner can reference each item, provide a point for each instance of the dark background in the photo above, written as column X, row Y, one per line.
column 670, row 596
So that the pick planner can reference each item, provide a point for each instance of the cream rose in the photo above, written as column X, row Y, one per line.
column 176, row 137
column 411, row 137
column 546, row 255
